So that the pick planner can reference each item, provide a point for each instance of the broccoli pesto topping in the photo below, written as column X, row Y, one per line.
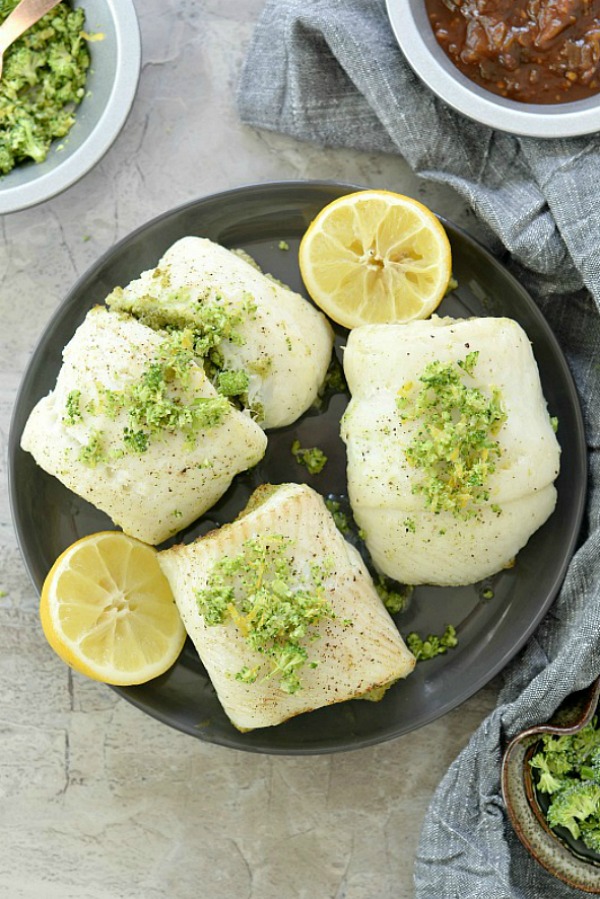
column 313, row 458
column 432, row 645
column 567, row 767
column 232, row 383
column 395, row 597
column 73, row 410
column 340, row 518
column 454, row 445
column 159, row 401
column 274, row 608
column 210, row 321
column 43, row 80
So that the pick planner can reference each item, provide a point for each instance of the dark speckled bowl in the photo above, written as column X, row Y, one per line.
column 564, row 857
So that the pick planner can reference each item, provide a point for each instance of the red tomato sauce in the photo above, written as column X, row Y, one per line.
column 533, row 51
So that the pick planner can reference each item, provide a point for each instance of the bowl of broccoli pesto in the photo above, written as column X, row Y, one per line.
column 551, row 790
column 66, row 89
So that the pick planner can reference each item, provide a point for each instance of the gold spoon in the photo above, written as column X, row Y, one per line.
column 23, row 16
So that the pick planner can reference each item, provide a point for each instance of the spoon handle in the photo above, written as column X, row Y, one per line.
column 23, row 17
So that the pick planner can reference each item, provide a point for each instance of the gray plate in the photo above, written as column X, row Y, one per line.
column 48, row 517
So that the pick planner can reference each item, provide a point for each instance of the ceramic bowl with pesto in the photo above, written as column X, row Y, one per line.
column 411, row 25
column 110, row 86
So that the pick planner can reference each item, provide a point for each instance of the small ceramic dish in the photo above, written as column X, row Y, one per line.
column 564, row 857
column 417, row 41
column 110, row 90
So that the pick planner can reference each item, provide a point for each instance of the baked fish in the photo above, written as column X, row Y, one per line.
column 452, row 454
column 258, row 339
column 134, row 426
column 283, row 612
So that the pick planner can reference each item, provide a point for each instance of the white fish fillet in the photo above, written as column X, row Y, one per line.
column 352, row 659
column 151, row 494
column 287, row 343
column 406, row 540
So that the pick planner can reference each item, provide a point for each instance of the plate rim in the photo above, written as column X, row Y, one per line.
column 301, row 185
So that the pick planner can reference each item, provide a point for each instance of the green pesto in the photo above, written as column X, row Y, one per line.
column 340, row 518
column 334, row 382
column 393, row 598
column 454, row 446
column 43, row 81
column 313, row 459
column 209, row 319
column 283, row 245
column 567, row 767
column 153, row 408
column 274, row 609
column 432, row 645
column 232, row 383
column 93, row 453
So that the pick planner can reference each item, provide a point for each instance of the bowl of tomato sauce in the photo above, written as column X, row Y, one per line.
column 528, row 67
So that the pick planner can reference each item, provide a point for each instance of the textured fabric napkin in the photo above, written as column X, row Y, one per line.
column 330, row 71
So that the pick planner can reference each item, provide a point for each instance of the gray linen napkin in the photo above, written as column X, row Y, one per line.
column 330, row 71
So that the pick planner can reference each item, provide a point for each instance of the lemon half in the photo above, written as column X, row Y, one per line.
column 375, row 257
column 108, row 611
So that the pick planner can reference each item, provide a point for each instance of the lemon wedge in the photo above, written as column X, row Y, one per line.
column 107, row 610
column 375, row 257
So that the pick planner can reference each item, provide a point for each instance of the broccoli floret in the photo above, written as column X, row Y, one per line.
column 7, row 159
column 62, row 62
column 547, row 780
column 573, row 805
column 21, row 68
column 586, row 741
column 23, row 141
column 590, row 833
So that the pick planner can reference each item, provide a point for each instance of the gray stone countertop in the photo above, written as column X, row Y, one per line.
column 98, row 800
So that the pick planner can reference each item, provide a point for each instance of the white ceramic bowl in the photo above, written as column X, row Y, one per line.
column 110, row 89
column 415, row 36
